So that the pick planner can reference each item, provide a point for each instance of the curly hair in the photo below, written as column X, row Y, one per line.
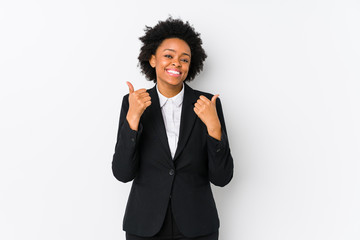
column 171, row 28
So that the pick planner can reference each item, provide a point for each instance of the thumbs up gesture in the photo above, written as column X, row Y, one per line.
column 205, row 109
column 139, row 100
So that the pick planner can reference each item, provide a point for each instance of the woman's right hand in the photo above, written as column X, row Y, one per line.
column 139, row 100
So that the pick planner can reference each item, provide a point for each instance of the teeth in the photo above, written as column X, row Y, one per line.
column 174, row 72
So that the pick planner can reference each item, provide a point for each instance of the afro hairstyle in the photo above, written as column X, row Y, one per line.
column 171, row 28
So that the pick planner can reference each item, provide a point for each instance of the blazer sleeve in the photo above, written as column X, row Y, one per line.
column 220, row 163
column 125, row 159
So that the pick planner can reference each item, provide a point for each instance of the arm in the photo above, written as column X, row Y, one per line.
column 220, row 160
column 125, row 159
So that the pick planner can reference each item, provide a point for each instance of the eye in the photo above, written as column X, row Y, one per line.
column 185, row 60
column 168, row 56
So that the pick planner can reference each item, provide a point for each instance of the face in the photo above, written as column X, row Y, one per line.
column 171, row 62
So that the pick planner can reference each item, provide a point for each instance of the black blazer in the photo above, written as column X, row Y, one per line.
column 144, row 156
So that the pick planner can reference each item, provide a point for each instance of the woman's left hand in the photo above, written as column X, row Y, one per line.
column 206, row 111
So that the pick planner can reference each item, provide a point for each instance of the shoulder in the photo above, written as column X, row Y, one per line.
column 126, row 98
column 152, row 89
column 198, row 93
column 206, row 94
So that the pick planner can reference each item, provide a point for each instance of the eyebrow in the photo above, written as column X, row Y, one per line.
column 172, row 50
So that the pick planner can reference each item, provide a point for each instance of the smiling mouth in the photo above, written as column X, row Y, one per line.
column 173, row 72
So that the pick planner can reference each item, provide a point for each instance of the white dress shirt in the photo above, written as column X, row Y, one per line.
column 171, row 112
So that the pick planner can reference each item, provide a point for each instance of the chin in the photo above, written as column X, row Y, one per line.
column 174, row 82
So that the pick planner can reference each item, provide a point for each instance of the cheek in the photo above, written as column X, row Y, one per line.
column 160, row 65
column 187, row 68
column 163, row 63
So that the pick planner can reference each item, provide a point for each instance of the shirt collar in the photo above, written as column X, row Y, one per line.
column 177, row 99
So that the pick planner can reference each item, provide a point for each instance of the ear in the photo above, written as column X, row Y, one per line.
column 152, row 61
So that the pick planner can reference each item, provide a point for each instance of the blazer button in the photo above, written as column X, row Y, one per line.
column 171, row 172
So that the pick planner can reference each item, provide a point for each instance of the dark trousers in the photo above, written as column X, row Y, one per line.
column 169, row 231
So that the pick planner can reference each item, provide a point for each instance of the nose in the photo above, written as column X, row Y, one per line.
column 176, row 63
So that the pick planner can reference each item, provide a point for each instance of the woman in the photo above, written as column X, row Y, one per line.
column 171, row 142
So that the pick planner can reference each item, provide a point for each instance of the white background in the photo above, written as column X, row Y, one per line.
column 288, row 76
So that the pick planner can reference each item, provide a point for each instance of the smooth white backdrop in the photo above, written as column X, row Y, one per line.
column 288, row 76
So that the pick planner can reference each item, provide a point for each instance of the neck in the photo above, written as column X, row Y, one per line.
column 169, row 91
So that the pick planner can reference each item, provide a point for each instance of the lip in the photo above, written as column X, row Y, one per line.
column 173, row 72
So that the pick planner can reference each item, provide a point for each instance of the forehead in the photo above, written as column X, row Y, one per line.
column 176, row 44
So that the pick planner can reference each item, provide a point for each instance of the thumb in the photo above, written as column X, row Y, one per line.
column 213, row 99
column 131, row 88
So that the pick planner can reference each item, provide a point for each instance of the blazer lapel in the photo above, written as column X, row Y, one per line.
column 158, row 121
column 188, row 118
